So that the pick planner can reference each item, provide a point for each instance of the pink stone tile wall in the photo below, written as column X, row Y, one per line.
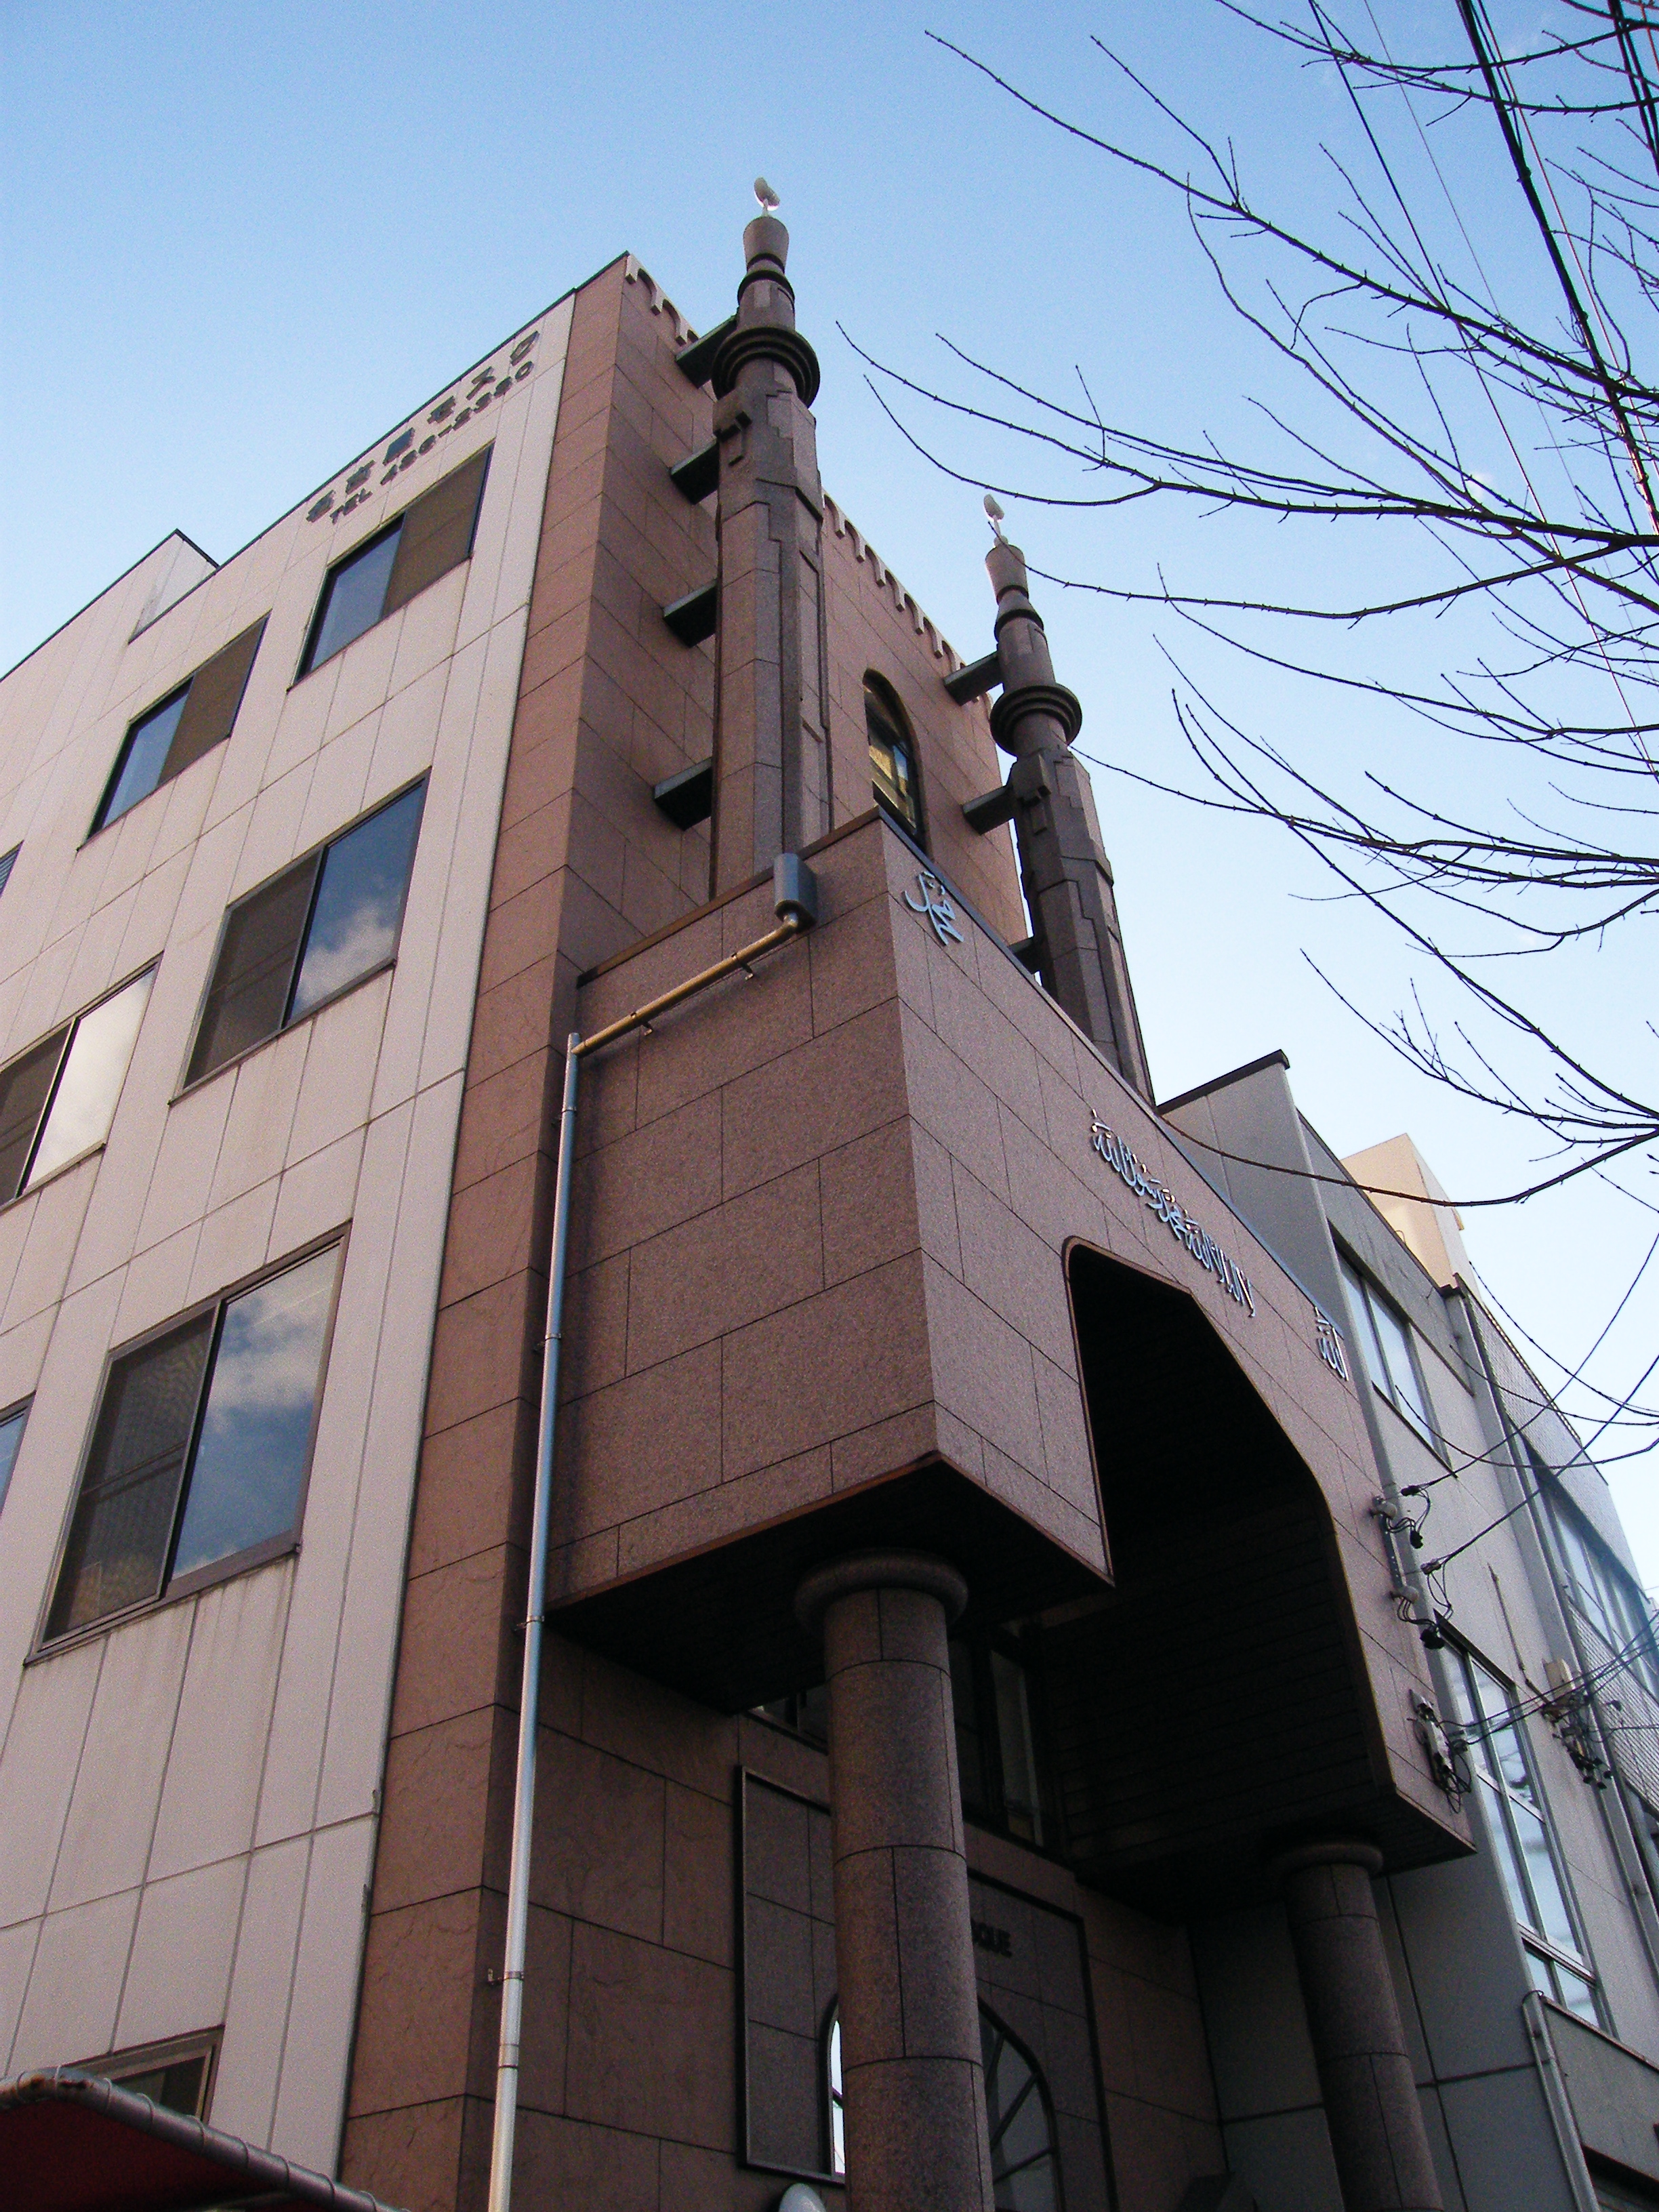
column 628, row 1924
column 747, row 1310
column 820, row 1229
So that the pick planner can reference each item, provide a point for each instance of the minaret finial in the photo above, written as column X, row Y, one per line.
column 772, row 679
column 1066, row 875
column 995, row 513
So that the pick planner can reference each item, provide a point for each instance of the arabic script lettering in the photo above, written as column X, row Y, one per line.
column 935, row 904
column 1161, row 1201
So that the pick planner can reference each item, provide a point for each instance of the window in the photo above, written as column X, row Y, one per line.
column 1600, row 1590
column 6, row 860
column 11, row 1435
column 1500, row 1760
column 327, row 922
column 200, row 1450
column 999, row 1766
column 1386, row 1338
column 1024, row 2162
column 1024, row 2169
column 187, row 723
column 175, row 2075
column 425, row 541
column 57, row 1099
column 893, row 771
column 806, row 1711
column 836, row 2098
column 1003, row 1785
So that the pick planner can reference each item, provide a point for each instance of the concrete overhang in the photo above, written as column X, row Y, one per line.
column 818, row 1302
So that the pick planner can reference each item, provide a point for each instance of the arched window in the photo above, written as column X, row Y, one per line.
column 1024, row 2164
column 1024, row 2167
column 837, row 2115
column 893, row 767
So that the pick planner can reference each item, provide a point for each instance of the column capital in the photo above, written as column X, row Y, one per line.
column 866, row 1571
column 1330, row 1850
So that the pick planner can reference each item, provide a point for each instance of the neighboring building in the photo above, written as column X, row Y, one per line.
column 1546, row 1676
column 924, row 1388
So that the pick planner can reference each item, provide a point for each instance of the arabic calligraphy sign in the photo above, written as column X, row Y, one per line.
column 1163, row 1201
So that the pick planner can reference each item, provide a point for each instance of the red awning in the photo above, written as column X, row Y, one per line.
column 72, row 2142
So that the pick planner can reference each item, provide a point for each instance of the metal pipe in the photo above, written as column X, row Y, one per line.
column 796, row 906
column 642, row 1016
column 523, row 1790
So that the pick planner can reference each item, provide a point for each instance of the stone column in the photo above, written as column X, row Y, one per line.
column 1064, row 870
column 1371, row 2108
column 771, row 739
column 914, row 2093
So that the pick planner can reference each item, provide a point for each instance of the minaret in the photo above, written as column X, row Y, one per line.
column 771, row 743
column 1067, row 876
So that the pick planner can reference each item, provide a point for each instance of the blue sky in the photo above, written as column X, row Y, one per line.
column 240, row 242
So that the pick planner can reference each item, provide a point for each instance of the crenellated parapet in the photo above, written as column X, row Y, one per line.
column 633, row 273
column 886, row 582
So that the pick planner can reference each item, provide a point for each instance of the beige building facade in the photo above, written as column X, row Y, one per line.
column 988, row 1752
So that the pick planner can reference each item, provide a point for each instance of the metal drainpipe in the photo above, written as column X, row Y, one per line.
column 795, row 903
column 1618, row 1826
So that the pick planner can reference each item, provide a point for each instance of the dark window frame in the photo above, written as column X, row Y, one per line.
column 990, row 1810
column 1422, row 1426
column 66, row 1035
column 307, row 664
column 1580, row 1966
column 893, row 707
column 175, row 1589
column 120, row 2067
column 17, row 1412
column 101, row 818
column 1613, row 1583
column 188, row 1083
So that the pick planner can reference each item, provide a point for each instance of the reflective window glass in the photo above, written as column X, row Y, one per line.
column 1613, row 1604
column 1549, row 1916
column 1386, row 1345
column 200, row 1448
column 167, row 738
column 141, row 761
column 1517, row 1826
column 430, row 538
column 256, row 1425
column 25, row 1089
column 1577, row 1995
column 837, row 2103
column 11, row 1435
column 360, row 903
column 6, row 860
column 311, row 932
column 1397, row 1358
column 94, row 1068
column 353, row 597
column 57, row 1099
column 1364, row 1327
column 123, row 1526
column 892, row 755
